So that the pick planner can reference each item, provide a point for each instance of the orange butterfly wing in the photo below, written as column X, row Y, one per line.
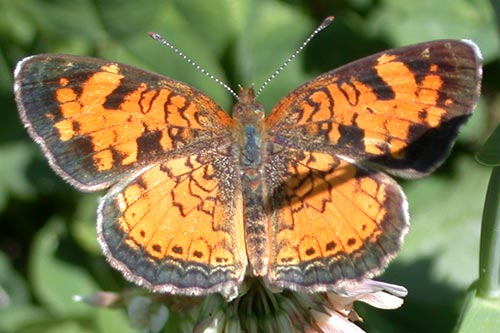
column 334, row 218
column 331, row 221
column 97, row 120
column 170, row 222
column 399, row 109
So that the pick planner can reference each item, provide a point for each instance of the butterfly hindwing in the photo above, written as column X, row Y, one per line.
column 331, row 222
column 176, row 226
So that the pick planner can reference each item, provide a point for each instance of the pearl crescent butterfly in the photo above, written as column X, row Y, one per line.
column 302, row 198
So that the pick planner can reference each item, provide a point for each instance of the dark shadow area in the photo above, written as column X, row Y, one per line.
column 431, row 306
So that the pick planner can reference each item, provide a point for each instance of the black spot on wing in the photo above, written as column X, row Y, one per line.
column 380, row 88
column 149, row 145
column 351, row 137
column 116, row 98
column 429, row 148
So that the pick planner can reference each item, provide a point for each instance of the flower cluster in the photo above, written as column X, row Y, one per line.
column 258, row 309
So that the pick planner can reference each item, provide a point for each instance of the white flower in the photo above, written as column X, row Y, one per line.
column 256, row 309
column 261, row 310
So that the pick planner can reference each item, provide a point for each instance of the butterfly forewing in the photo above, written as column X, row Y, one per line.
column 97, row 120
column 386, row 109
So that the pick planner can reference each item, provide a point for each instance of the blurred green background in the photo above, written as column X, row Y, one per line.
column 48, row 248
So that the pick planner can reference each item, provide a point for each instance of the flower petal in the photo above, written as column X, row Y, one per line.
column 382, row 300
column 335, row 323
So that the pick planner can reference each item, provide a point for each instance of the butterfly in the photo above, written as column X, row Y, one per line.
column 302, row 198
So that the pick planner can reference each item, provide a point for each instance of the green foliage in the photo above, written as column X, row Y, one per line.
column 48, row 250
column 489, row 154
column 480, row 314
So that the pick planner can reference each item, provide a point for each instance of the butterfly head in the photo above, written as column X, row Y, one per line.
column 247, row 110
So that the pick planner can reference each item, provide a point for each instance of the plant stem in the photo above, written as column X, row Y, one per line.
column 489, row 257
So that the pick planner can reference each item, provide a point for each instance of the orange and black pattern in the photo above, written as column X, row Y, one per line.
column 198, row 199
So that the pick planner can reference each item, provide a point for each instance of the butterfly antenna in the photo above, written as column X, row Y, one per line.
column 162, row 40
column 326, row 22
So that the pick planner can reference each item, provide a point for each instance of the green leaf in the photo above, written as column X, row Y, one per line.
column 14, row 159
column 214, row 24
column 112, row 320
column 13, row 289
column 15, row 23
column 408, row 22
column 263, row 46
column 14, row 296
column 57, row 326
column 5, row 74
column 489, row 154
column 55, row 278
column 445, row 227
column 479, row 314
column 21, row 319
column 123, row 19
column 63, row 18
column 473, row 130
column 83, row 226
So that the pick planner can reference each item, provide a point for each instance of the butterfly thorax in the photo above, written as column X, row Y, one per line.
column 249, row 117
